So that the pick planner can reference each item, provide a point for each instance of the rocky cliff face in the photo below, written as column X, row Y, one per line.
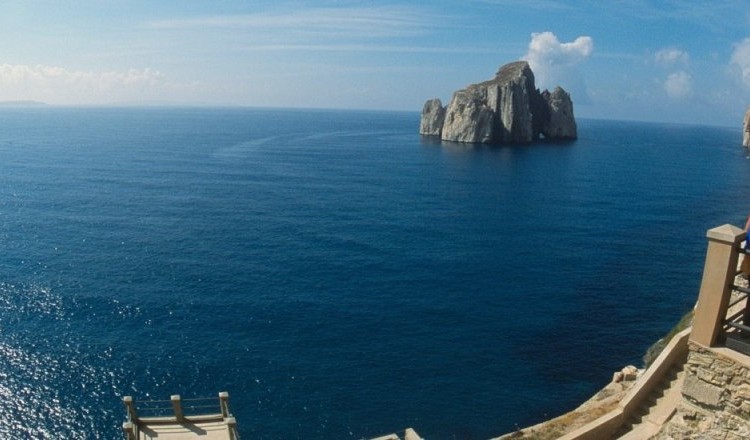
column 507, row 109
column 746, row 129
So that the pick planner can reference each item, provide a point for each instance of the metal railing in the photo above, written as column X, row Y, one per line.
column 736, row 331
column 178, row 407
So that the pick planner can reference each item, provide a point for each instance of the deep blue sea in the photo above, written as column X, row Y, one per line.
column 338, row 275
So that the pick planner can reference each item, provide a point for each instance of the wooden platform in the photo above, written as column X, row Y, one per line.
column 186, row 430
column 177, row 425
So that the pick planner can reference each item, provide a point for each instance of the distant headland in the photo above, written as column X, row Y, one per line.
column 507, row 109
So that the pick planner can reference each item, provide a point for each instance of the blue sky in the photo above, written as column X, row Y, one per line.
column 668, row 61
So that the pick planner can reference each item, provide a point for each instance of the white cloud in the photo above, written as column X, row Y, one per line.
column 550, row 59
column 679, row 85
column 555, row 63
column 546, row 50
column 60, row 85
column 740, row 61
column 671, row 56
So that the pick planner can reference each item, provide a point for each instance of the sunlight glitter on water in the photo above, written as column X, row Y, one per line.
column 47, row 387
column 29, row 405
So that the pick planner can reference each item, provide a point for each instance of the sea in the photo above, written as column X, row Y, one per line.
column 337, row 274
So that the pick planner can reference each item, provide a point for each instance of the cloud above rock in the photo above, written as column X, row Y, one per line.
column 546, row 53
column 556, row 63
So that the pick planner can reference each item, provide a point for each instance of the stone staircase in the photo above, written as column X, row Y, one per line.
column 656, row 409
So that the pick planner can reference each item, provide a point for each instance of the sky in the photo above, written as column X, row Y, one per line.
column 661, row 61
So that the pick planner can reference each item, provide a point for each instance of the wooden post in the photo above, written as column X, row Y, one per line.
column 231, row 427
column 130, row 408
column 224, row 404
column 177, row 406
column 716, row 286
column 129, row 430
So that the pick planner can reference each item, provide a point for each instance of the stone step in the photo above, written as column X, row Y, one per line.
column 656, row 415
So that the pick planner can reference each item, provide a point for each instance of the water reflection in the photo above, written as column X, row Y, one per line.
column 49, row 386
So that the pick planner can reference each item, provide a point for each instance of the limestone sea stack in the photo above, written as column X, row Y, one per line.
column 746, row 129
column 507, row 109
column 433, row 115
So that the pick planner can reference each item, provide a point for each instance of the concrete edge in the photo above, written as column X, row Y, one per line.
column 409, row 434
column 606, row 425
column 676, row 349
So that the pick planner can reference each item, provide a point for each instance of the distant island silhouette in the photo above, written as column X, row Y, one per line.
column 22, row 103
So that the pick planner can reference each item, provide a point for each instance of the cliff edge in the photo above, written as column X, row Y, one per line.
column 507, row 109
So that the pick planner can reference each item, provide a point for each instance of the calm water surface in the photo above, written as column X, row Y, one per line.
column 338, row 275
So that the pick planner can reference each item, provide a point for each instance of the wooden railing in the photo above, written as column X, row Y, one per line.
column 177, row 410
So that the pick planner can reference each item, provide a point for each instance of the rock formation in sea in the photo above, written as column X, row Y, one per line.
column 507, row 109
column 746, row 129
column 433, row 115
column 560, row 122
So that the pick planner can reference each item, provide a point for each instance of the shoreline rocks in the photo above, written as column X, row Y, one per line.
column 507, row 109
column 602, row 402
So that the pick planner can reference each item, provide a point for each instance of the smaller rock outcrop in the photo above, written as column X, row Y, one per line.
column 507, row 109
column 433, row 115
column 746, row 129
column 560, row 123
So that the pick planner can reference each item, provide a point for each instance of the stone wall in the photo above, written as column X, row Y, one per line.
column 715, row 399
